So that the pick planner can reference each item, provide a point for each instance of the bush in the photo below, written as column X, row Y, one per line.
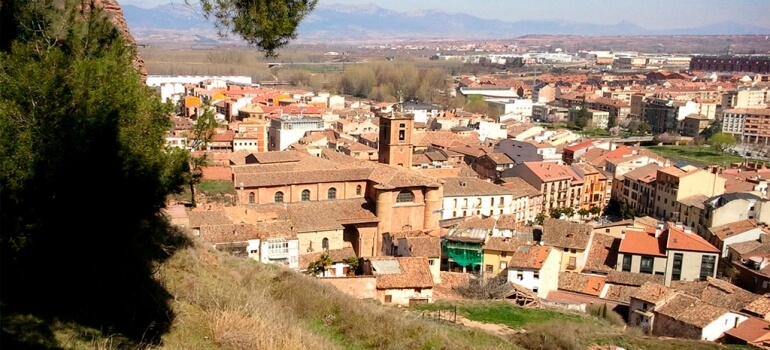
column 485, row 288
column 554, row 336
column 603, row 312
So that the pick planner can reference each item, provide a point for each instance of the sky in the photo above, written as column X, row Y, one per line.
column 651, row 14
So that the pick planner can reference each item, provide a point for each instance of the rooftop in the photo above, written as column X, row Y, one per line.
column 733, row 228
column 565, row 234
column 472, row 186
column 690, row 310
column 410, row 273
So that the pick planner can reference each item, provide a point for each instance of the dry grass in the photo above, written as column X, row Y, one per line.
column 231, row 303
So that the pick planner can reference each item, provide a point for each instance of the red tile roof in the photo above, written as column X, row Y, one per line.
column 643, row 243
column 679, row 240
column 753, row 330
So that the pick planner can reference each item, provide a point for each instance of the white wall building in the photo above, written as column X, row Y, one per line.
column 275, row 251
column 536, row 269
column 469, row 196
column 157, row 80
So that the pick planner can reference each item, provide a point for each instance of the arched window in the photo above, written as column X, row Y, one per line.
column 405, row 196
column 305, row 195
column 358, row 190
column 325, row 244
column 251, row 197
column 331, row 194
column 279, row 197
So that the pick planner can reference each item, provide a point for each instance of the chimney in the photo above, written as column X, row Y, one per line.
column 549, row 166
column 687, row 229
column 623, row 234
column 658, row 230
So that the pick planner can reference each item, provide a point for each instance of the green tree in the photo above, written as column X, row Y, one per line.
column 267, row 24
column 83, row 175
column 721, row 141
column 353, row 263
column 319, row 266
column 583, row 212
column 594, row 210
column 476, row 104
column 200, row 135
column 556, row 212
column 540, row 218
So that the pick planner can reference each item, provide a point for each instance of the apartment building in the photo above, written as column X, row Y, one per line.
column 594, row 186
column 560, row 185
column 289, row 129
column 636, row 188
column 675, row 183
column 671, row 250
column 745, row 97
column 470, row 196
column 618, row 110
column 750, row 125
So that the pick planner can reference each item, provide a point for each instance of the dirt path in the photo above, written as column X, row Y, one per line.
column 494, row 328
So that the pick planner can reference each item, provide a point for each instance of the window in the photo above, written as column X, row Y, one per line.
column 401, row 135
column 331, row 194
column 503, row 265
column 388, row 299
column 536, row 274
column 707, row 263
column 279, row 247
column 325, row 244
column 646, row 265
column 432, row 262
column 676, row 271
column 627, row 263
column 358, row 190
column 279, row 197
column 519, row 275
column 251, row 197
column 405, row 196
column 305, row 195
column 488, row 268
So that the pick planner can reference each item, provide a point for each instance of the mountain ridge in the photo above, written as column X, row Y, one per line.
column 364, row 21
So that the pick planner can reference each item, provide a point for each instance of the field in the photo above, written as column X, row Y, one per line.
column 696, row 155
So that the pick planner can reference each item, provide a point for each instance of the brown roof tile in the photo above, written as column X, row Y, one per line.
column 753, row 331
column 760, row 306
column 414, row 273
column 633, row 279
column 503, row 244
column 565, row 234
column 621, row 293
column 520, row 187
column 733, row 228
column 603, row 255
column 580, row 283
column 717, row 292
column 690, row 310
column 471, row 186
column 653, row 292
column 529, row 257
column 200, row 218
column 426, row 246
column 694, row 201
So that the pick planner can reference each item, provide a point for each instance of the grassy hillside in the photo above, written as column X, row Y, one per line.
column 223, row 302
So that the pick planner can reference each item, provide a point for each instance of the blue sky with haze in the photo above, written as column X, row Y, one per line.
column 662, row 14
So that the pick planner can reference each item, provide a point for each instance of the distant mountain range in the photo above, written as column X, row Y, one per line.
column 370, row 22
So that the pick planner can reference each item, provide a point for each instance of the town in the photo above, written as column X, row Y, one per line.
column 643, row 190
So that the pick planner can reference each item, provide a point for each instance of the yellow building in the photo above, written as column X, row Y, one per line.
column 497, row 255
column 571, row 239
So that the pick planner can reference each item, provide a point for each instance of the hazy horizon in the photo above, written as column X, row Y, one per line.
column 651, row 14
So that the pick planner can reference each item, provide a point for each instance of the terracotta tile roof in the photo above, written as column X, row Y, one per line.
column 643, row 243
column 760, row 306
column 717, row 292
column 580, row 283
column 520, row 187
column 646, row 174
column 733, row 228
column 414, row 273
column 690, row 310
column 621, row 293
column 330, row 215
column 425, row 246
column 565, row 234
column 243, row 232
column 503, row 244
column 207, row 218
column 694, row 201
column 336, row 255
column 677, row 239
column 603, row 254
column 548, row 171
column 500, row 158
column 653, row 293
column 752, row 331
column 633, row 279
column 578, row 146
column 529, row 257
column 478, row 222
column 472, row 186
